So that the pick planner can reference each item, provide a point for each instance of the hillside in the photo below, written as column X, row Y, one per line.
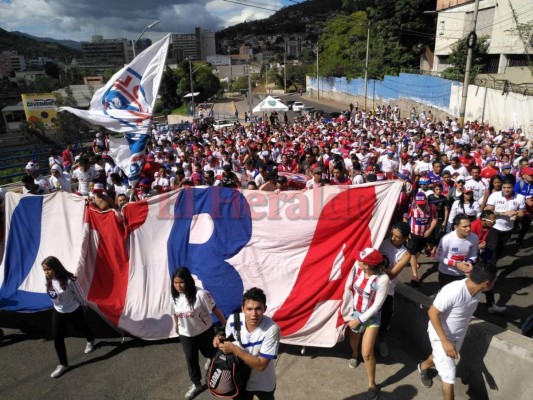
column 297, row 18
column 32, row 48
column 71, row 44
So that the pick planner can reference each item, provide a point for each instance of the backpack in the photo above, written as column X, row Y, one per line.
column 228, row 375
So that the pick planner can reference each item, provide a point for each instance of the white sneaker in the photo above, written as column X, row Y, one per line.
column 494, row 309
column 90, row 347
column 193, row 391
column 60, row 370
column 353, row 363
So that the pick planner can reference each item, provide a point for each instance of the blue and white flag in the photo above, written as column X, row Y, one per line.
column 127, row 101
column 128, row 153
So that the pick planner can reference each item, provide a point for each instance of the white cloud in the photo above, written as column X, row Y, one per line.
column 80, row 19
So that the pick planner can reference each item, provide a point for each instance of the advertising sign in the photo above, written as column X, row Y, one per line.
column 40, row 107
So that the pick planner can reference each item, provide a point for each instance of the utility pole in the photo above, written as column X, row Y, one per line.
column 192, row 88
column 266, row 78
column 366, row 60
column 285, row 68
column 471, row 43
column 250, row 92
column 317, row 78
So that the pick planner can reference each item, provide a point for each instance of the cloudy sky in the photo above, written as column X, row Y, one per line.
column 80, row 19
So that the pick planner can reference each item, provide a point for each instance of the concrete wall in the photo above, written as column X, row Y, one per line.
column 441, row 96
column 495, row 363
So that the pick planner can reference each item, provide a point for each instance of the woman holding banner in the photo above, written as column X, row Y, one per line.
column 67, row 298
column 192, row 309
column 369, row 287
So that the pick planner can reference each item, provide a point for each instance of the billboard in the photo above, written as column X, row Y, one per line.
column 40, row 107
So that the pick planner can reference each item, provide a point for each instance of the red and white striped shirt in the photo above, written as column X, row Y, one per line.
column 420, row 219
column 369, row 293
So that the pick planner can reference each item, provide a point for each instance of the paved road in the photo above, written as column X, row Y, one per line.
column 143, row 370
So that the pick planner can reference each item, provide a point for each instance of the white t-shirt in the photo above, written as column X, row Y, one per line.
column 516, row 203
column 478, row 188
column 394, row 255
column 457, row 306
column 61, row 183
column 194, row 320
column 263, row 341
column 452, row 248
column 84, row 178
column 68, row 300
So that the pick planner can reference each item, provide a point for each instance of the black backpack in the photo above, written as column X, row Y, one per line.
column 228, row 374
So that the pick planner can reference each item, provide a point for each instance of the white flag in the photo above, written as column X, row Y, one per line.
column 127, row 101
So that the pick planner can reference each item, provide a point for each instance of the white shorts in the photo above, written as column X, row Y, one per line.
column 446, row 366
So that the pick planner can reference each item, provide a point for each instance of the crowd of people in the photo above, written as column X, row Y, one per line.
column 465, row 191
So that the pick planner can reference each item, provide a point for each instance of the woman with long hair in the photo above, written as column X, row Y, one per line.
column 192, row 309
column 369, row 287
column 67, row 298
column 464, row 205
column 495, row 185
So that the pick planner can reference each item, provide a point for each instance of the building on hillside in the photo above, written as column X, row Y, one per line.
column 11, row 61
column 197, row 45
column 496, row 19
column 82, row 93
column 27, row 77
column 101, row 54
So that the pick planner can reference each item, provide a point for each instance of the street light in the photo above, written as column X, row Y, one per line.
column 192, row 90
column 366, row 60
column 142, row 33
column 317, row 78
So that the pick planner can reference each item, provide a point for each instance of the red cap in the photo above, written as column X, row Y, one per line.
column 527, row 171
column 370, row 256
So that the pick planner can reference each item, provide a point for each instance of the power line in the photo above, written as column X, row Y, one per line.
column 250, row 5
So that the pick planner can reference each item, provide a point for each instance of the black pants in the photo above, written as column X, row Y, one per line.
column 444, row 279
column 525, row 223
column 191, row 345
column 387, row 309
column 59, row 327
column 496, row 241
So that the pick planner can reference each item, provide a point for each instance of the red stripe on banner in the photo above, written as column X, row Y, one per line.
column 343, row 222
column 135, row 215
column 110, row 280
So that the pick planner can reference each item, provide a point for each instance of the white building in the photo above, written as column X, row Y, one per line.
column 496, row 19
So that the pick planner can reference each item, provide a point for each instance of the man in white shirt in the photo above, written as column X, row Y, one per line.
column 457, row 251
column 60, row 180
column 456, row 167
column 449, row 317
column 508, row 207
column 260, row 337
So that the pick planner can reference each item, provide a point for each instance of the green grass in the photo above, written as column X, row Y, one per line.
column 180, row 110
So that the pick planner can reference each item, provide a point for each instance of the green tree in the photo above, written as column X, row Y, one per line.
column 70, row 126
column 399, row 31
column 458, row 56
column 169, row 99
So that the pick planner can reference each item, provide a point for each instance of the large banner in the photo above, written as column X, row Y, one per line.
column 297, row 246
column 40, row 107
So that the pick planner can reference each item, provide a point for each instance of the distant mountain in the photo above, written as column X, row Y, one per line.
column 34, row 48
column 72, row 44
column 301, row 18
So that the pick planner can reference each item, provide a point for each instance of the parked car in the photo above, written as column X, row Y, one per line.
column 223, row 123
column 277, row 98
column 298, row 106
column 308, row 110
